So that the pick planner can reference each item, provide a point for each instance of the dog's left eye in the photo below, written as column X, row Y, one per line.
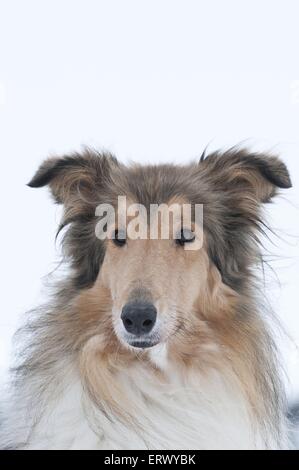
column 119, row 237
column 185, row 236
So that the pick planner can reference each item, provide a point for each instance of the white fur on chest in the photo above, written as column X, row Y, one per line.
column 180, row 413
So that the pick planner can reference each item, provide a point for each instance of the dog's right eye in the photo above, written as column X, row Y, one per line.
column 119, row 237
column 185, row 236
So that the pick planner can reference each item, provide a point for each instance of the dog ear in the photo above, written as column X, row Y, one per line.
column 239, row 182
column 245, row 174
column 79, row 182
column 76, row 176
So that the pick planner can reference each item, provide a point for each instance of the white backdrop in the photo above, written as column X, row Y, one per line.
column 151, row 81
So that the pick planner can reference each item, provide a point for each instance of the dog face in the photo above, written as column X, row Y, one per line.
column 149, row 291
column 153, row 284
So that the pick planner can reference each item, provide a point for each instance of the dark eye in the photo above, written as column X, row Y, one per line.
column 119, row 237
column 185, row 236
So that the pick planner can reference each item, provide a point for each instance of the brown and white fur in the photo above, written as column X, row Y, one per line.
column 211, row 381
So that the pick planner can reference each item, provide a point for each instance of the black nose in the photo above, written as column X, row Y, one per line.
column 139, row 317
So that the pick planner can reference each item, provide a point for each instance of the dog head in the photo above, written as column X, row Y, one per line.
column 148, row 290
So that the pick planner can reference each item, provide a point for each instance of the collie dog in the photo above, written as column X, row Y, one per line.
column 153, row 342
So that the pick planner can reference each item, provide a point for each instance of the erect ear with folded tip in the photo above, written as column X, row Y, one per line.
column 239, row 182
column 74, row 175
column 79, row 181
column 249, row 174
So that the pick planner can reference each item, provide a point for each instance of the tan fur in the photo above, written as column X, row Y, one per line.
column 199, row 316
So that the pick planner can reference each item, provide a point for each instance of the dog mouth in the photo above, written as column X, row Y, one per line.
column 142, row 344
column 140, row 341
